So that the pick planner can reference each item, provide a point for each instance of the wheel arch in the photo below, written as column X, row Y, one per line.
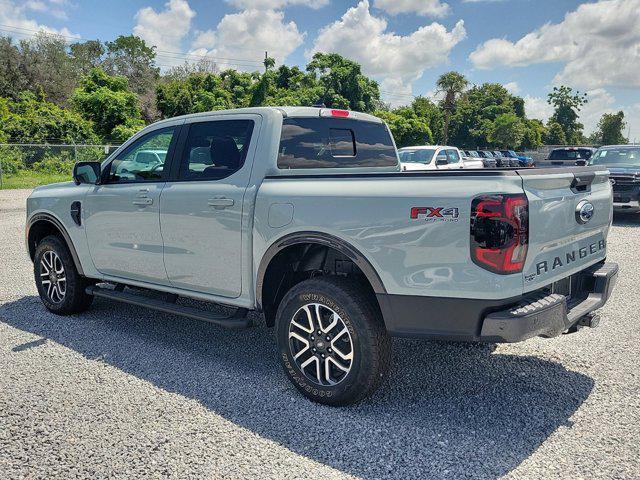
column 274, row 256
column 42, row 225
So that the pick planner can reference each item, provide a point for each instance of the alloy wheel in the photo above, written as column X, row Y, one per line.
column 53, row 276
column 321, row 344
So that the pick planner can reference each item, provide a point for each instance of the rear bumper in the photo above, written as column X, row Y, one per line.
column 542, row 313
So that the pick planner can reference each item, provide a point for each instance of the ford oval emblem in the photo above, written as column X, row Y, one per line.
column 584, row 212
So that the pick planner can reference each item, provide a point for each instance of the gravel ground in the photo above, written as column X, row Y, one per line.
column 121, row 391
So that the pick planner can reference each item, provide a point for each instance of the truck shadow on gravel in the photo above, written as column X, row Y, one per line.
column 449, row 410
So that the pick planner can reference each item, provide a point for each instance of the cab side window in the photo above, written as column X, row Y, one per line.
column 453, row 156
column 442, row 158
column 215, row 150
column 144, row 160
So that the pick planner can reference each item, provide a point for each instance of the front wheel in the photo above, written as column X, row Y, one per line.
column 332, row 341
column 61, row 287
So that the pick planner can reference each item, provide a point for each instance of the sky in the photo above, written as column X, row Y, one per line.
column 527, row 45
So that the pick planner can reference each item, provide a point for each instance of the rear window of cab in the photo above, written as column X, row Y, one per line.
column 334, row 143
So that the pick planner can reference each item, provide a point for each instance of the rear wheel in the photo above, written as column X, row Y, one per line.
column 60, row 286
column 332, row 341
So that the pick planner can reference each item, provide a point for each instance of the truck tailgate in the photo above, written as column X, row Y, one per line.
column 561, row 241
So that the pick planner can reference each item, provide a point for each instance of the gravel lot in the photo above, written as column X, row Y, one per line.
column 125, row 392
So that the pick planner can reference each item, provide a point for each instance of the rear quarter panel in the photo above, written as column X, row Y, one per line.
column 423, row 256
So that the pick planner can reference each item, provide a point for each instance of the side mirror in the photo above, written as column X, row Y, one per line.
column 581, row 163
column 441, row 161
column 87, row 172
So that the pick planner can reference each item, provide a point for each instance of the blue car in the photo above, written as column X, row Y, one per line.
column 524, row 161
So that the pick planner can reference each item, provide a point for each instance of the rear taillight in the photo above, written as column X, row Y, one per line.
column 500, row 232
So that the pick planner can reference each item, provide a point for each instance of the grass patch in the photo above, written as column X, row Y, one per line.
column 30, row 179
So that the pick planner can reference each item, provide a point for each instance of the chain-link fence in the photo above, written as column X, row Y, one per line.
column 46, row 160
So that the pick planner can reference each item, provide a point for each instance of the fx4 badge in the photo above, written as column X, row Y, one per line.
column 435, row 214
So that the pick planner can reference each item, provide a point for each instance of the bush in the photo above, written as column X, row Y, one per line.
column 59, row 164
column 11, row 160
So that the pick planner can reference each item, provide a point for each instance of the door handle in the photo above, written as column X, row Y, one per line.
column 143, row 201
column 221, row 202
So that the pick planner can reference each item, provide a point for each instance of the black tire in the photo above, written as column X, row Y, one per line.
column 74, row 299
column 369, row 340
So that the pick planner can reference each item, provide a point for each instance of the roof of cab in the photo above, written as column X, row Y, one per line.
column 284, row 111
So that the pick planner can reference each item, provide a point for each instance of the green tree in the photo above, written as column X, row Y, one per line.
column 407, row 129
column 13, row 77
column 87, row 55
column 269, row 63
column 107, row 102
column 534, row 134
column 507, row 130
column 555, row 134
column 428, row 111
column 39, row 64
column 129, row 56
column 476, row 112
column 343, row 84
column 32, row 119
column 610, row 129
column 567, row 106
column 452, row 84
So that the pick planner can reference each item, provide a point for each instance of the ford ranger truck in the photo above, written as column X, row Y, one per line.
column 304, row 215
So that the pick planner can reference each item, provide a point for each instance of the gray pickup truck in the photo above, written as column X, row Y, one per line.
column 303, row 214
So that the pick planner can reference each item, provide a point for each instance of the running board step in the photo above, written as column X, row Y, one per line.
column 238, row 320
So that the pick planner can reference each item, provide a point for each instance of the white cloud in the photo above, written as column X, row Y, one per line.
column 537, row 107
column 276, row 4
column 397, row 61
column 512, row 87
column 599, row 44
column 430, row 8
column 632, row 117
column 600, row 102
column 49, row 7
column 167, row 28
column 247, row 35
column 15, row 18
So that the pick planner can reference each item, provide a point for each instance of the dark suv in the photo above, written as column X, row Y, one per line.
column 568, row 156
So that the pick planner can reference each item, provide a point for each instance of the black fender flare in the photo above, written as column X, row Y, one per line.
column 319, row 238
column 46, row 217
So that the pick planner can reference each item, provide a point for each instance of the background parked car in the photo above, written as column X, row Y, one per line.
column 523, row 160
column 500, row 161
column 430, row 157
column 486, row 162
column 567, row 156
column 623, row 161
column 509, row 162
column 471, row 161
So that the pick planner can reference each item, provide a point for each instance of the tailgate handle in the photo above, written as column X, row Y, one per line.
column 582, row 182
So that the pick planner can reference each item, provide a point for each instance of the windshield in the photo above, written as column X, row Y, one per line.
column 417, row 156
column 616, row 156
